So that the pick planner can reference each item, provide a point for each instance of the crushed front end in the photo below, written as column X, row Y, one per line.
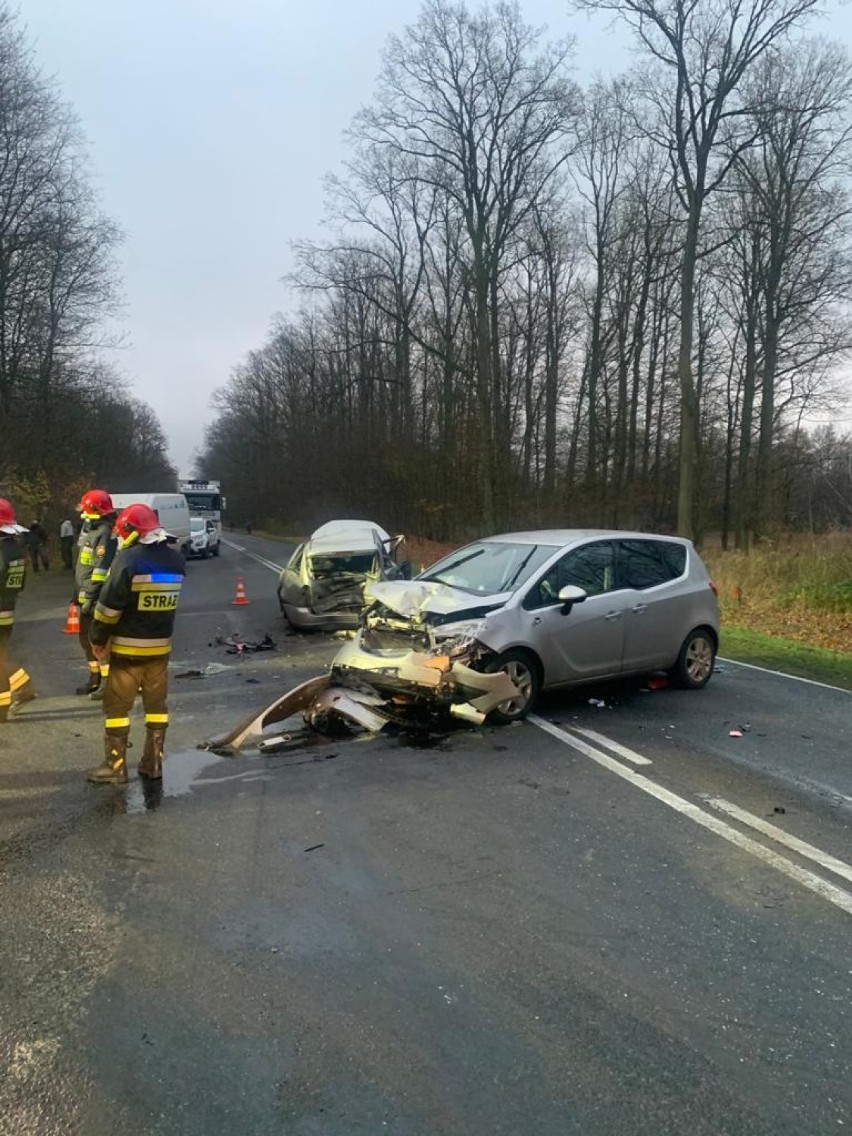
column 423, row 659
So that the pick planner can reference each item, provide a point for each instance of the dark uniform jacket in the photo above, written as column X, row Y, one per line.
column 13, row 568
column 136, row 609
column 96, row 549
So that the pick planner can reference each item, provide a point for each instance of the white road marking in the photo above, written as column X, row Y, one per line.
column 807, row 879
column 279, row 568
column 616, row 747
column 801, row 846
column 783, row 674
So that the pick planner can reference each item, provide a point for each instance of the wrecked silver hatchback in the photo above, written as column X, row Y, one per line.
column 484, row 629
column 322, row 586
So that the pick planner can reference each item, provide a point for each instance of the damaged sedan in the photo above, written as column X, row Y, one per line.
column 322, row 586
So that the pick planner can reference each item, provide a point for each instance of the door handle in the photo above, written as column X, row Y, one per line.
column 639, row 608
column 611, row 615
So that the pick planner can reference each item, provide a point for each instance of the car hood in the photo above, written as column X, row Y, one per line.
column 415, row 599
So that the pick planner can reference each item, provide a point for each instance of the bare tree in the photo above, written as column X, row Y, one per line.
column 465, row 98
column 703, row 50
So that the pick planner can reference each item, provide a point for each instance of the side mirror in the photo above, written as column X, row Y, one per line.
column 570, row 595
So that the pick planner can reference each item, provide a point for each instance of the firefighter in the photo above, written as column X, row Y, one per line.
column 133, row 625
column 15, row 684
column 96, row 547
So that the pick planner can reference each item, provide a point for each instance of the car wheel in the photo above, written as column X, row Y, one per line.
column 216, row 550
column 694, row 664
column 523, row 672
column 205, row 554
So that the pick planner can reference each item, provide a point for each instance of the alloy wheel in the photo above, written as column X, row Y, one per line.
column 699, row 659
column 521, row 676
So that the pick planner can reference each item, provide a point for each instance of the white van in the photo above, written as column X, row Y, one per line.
column 171, row 508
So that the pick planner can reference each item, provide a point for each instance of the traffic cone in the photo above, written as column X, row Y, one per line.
column 240, row 597
column 72, row 623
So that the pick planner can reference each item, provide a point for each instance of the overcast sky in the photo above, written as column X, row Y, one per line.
column 211, row 124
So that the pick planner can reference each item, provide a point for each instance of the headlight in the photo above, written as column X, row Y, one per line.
column 457, row 636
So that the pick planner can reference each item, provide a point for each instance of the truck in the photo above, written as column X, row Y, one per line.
column 205, row 500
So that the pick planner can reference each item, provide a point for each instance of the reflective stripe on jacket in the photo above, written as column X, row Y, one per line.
column 13, row 571
column 96, row 551
column 136, row 609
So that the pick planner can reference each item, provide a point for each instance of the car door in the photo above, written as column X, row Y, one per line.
column 652, row 575
column 290, row 585
column 587, row 642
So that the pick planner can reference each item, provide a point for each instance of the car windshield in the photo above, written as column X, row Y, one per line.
column 490, row 567
column 197, row 524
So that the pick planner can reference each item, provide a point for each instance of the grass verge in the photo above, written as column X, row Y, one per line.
column 787, row 655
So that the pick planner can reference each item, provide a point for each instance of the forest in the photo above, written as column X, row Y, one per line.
column 67, row 419
column 539, row 303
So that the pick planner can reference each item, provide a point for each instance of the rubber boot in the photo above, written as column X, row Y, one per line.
column 22, row 696
column 151, row 762
column 113, row 771
column 92, row 685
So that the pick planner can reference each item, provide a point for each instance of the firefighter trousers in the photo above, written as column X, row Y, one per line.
column 13, row 679
column 126, row 678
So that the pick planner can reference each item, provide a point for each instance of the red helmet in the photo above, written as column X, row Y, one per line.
column 8, row 521
column 133, row 522
column 95, row 504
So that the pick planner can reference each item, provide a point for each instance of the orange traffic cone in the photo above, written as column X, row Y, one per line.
column 72, row 623
column 240, row 597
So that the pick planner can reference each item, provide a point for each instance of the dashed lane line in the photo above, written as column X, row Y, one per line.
column 802, row 876
column 260, row 559
column 616, row 747
column 809, row 851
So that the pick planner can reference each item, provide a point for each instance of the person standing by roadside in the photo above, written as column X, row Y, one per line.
column 66, row 544
column 37, row 544
column 15, row 684
column 133, row 626
column 96, row 548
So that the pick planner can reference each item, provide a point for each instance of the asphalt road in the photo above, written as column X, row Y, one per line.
column 612, row 919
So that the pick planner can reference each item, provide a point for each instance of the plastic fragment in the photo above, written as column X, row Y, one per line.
column 735, row 733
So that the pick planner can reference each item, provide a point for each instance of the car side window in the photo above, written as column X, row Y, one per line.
column 647, row 563
column 674, row 557
column 591, row 568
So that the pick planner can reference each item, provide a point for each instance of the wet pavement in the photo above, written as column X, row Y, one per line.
column 493, row 931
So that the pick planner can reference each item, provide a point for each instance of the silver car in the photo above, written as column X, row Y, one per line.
column 322, row 586
column 548, row 609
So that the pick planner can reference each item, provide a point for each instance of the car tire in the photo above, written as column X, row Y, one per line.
column 216, row 550
column 524, row 672
column 695, row 662
column 205, row 554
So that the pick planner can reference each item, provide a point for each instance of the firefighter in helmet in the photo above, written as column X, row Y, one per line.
column 96, row 549
column 15, row 684
column 132, row 626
